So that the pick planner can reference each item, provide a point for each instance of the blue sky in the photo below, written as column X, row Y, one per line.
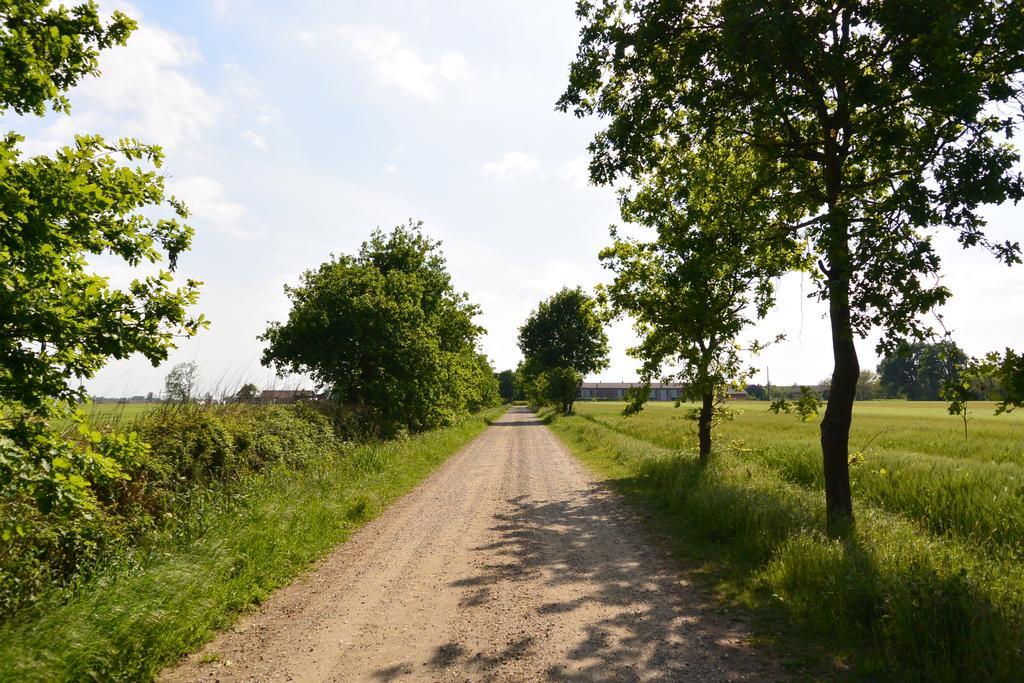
column 294, row 129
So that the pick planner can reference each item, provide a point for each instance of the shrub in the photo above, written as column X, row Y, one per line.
column 84, row 496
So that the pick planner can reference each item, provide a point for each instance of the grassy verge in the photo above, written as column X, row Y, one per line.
column 126, row 625
column 891, row 601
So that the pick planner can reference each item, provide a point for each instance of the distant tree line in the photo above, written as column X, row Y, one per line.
column 920, row 371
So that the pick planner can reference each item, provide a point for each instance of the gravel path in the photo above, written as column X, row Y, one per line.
column 511, row 564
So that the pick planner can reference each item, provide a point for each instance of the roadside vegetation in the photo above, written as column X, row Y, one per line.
column 387, row 335
column 127, row 535
column 295, row 492
column 874, row 126
column 751, row 139
column 929, row 585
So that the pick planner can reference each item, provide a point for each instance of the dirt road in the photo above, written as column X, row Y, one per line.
column 508, row 564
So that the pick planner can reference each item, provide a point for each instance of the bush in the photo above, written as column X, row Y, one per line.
column 79, row 498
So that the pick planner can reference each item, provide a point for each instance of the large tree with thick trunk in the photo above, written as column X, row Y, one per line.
column 892, row 117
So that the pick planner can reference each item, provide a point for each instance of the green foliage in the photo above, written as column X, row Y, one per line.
column 558, row 387
column 60, row 322
column 869, row 386
column 249, row 393
column 1009, row 372
column 958, row 391
column 920, row 370
column 710, row 270
column 806, row 405
column 87, row 495
column 388, row 334
column 507, row 386
column 181, row 383
column 890, row 116
column 46, row 50
column 225, row 548
column 881, row 120
column 564, row 331
column 1002, row 372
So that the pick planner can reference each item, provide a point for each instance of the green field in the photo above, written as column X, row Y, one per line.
column 928, row 585
column 918, row 427
column 103, row 414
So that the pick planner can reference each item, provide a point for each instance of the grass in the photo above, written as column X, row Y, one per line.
column 113, row 414
column 928, row 585
column 127, row 623
column 913, row 460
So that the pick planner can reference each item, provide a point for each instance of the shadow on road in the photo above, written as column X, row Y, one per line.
column 535, row 422
column 630, row 614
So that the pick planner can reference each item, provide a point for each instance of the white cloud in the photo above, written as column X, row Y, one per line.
column 512, row 165
column 575, row 173
column 242, row 86
column 393, row 63
column 255, row 139
column 239, row 83
column 268, row 114
column 219, row 7
column 143, row 92
column 206, row 199
column 454, row 67
column 391, row 168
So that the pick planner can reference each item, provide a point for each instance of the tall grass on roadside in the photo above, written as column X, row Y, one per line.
column 978, row 500
column 893, row 601
column 132, row 484
column 918, row 427
column 130, row 620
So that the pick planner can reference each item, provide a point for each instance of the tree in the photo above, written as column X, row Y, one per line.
column 387, row 332
column 558, row 387
column 507, row 385
column 181, row 382
column 474, row 387
column 938, row 365
column 58, row 321
column 869, row 387
column 889, row 117
column 897, row 371
column 710, row 270
column 249, row 393
column 45, row 51
column 564, row 331
column 757, row 392
column 61, row 321
column 920, row 370
column 975, row 377
column 1009, row 373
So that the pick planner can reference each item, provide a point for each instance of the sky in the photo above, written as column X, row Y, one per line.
column 292, row 130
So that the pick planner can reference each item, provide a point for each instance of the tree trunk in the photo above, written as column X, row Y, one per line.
column 835, row 426
column 707, row 408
